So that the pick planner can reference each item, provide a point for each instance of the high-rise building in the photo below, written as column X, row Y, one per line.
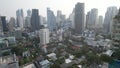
column 116, row 30
column 51, row 20
column 79, row 18
column 91, row 20
column 87, row 20
column 100, row 22
column 20, row 18
column 11, row 24
column 35, row 22
column 60, row 19
column 29, row 13
column 4, row 24
column 43, row 20
column 71, row 17
column 111, row 12
column 27, row 21
column 44, row 36
column 1, row 27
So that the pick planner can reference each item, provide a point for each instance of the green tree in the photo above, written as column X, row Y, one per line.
column 5, row 53
column 21, row 62
column 106, row 58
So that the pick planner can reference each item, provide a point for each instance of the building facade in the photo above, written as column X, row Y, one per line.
column 11, row 24
column 109, row 15
column 4, row 24
column 51, row 20
column 91, row 19
column 116, row 30
column 79, row 18
column 35, row 22
column 44, row 36
column 20, row 18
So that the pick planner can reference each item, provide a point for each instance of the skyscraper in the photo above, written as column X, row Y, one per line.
column 91, row 20
column 109, row 15
column 71, row 17
column 116, row 30
column 11, row 24
column 20, row 18
column 43, row 20
column 27, row 21
column 4, row 24
column 100, row 22
column 29, row 13
column 1, row 27
column 51, row 20
column 87, row 20
column 79, row 18
column 35, row 22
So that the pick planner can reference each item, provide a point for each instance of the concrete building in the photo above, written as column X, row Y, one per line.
column 60, row 19
column 51, row 20
column 116, row 30
column 91, row 18
column 27, row 22
column 1, row 28
column 79, row 18
column 29, row 13
column 4, row 24
column 11, row 24
column 52, row 56
column 35, row 22
column 45, row 64
column 43, row 20
column 100, row 22
column 20, row 18
column 109, row 15
column 71, row 17
column 44, row 36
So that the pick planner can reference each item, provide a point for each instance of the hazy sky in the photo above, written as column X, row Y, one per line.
column 9, row 7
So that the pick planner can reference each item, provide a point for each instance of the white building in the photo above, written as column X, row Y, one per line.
column 44, row 36
column 52, row 56
column 45, row 64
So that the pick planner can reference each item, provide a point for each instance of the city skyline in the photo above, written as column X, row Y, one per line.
column 9, row 8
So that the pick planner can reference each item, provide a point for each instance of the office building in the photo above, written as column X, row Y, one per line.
column 35, row 22
column 109, row 15
column 27, row 22
column 71, row 17
column 11, row 24
column 51, row 20
column 1, row 27
column 29, row 13
column 91, row 19
column 4, row 24
column 20, row 18
column 79, row 18
column 100, row 22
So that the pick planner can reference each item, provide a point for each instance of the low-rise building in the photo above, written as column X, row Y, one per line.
column 44, row 64
column 9, row 61
column 52, row 56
